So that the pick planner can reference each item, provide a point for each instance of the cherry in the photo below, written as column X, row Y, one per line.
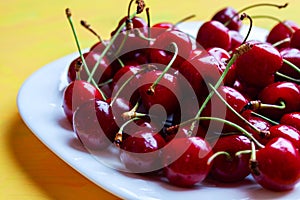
column 291, row 119
column 137, row 22
column 166, row 93
column 231, row 167
column 159, row 28
column 162, row 52
column 228, row 14
column 77, row 93
column 282, row 31
column 213, row 34
column 277, row 166
column 141, row 151
column 295, row 39
column 286, row 92
column 249, row 92
column 236, row 39
column 288, row 132
column 186, row 161
column 292, row 55
column 257, row 66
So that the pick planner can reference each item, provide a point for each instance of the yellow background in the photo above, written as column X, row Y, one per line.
column 34, row 33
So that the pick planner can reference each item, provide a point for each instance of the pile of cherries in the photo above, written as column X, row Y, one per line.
column 218, row 107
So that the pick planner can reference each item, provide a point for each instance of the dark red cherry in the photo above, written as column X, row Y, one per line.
column 141, row 151
column 103, row 73
column 287, row 92
column 292, row 55
column 295, row 39
column 166, row 93
column 228, row 14
column 257, row 66
column 288, row 132
column 77, row 93
column 231, row 168
column 87, row 126
column 162, row 50
column 236, row 39
column 250, row 92
column 186, row 161
column 277, row 165
column 292, row 119
column 159, row 28
column 281, row 32
column 213, row 34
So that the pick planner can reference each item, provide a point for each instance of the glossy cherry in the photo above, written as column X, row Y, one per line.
column 231, row 168
column 292, row 55
column 213, row 34
column 277, row 166
column 236, row 39
column 285, row 131
column 292, row 119
column 186, row 161
column 77, row 93
column 281, row 31
column 257, row 66
column 295, row 39
column 230, row 15
column 141, row 151
column 137, row 22
column 287, row 92
column 159, row 28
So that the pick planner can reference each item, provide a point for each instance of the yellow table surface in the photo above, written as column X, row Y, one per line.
column 34, row 33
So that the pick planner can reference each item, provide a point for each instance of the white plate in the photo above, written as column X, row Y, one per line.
column 39, row 102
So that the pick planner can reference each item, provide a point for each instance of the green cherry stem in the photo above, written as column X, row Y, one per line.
column 281, row 42
column 211, row 158
column 265, row 118
column 291, row 65
column 185, row 19
column 108, row 47
column 119, row 136
column 151, row 89
column 287, row 77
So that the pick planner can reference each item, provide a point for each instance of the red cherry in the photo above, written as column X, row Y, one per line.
column 292, row 119
column 77, row 93
column 295, row 39
column 288, row 132
column 186, row 160
column 166, row 92
column 236, row 39
column 137, row 23
column 159, row 28
column 213, row 34
column 292, row 55
column 162, row 52
column 257, row 66
column 287, row 92
column 225, row 15
column 281, row 32
column 141, row 152
column 233, row 168
column 278, row 165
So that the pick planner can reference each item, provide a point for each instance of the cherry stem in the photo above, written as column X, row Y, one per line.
column 151, row 89
column 126, row 83
column 254, row 6
column 281, row 42
column 291, row 65
column 69, row 16
column 238, row 52
column 148, row 25
column 107, row 48
column 78, row 68
column 243, row 16
column 185, row 19
column 123, row 42
column 280, row 107
column 239, row 153
column 233, row 110
column 119, row 136
column 105, row 83
column 273, row 18
column 287, row 77
column 129, row 8
column 253, row 162
column 215, row 155
column 265, row 118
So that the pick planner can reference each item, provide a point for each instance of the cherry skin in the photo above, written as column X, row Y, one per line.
column 141, row 151
column 236, row 39
column 288, row 132
column 225, row 15
column 292, row 119
column 295, row 39
column 257, row 66
column 233, row 168
column 162, row 52
column 281, row 32
column 77, row 93
column 278, row 165
column 186, row 161
column 166, row 92
column 213, row 34
column 159, row 28
column 287, row 92
column 292, row 55
column 137, row 23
